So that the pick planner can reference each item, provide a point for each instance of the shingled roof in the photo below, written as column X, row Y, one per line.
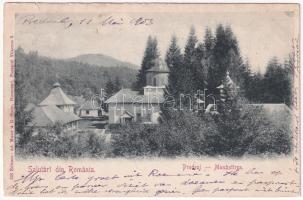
column 90, row 105
column 57, row 97
column 48, row 115
column 131, row 96
column 79, row 100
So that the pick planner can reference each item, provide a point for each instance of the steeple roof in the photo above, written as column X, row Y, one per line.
column 57, row 97
column 159, row 66
column 228, row 82
column 57, row 84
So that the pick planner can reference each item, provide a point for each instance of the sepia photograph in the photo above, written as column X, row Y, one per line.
column 209, row 89
column 217, row 87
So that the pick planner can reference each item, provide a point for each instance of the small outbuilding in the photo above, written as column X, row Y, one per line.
column 88, row 109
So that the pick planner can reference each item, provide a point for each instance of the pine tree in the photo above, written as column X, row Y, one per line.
column 151, row 53
column 276, row 83
column 109, row 88
column 198, row 71
column 207, row 60
column 117, row 85
column 216, row 71
column 174, row 62
column 22, row 116
column 189, row 67
column 254, row 88
column 226, row 56
column 208, row 42
column 247, row 80
column 289, row 66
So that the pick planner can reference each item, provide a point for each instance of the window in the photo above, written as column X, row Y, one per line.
column 87, row 112
column 128, row 120
column 155, row 81
column 138, row 117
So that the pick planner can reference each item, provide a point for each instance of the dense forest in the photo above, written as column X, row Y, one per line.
column 203, row 64
column 36, row 75
column 238, row 128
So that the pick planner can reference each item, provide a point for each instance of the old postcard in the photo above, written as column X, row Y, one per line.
column 151, row 100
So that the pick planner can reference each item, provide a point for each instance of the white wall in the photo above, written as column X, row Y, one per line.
column 67, row 108
column 115, row 111
column 92, row 113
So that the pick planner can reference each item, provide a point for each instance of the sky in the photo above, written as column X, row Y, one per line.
column 261, row 34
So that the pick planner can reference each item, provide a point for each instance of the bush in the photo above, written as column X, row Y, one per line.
column 184, row 134
column 133, row 139
column 54, row 142
column 245, row 129
column 238, row 129
column 271, row 140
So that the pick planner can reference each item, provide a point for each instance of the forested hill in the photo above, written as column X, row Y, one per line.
column 102, row 60
column 35, row 75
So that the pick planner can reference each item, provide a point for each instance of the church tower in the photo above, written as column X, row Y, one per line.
column 156, row 78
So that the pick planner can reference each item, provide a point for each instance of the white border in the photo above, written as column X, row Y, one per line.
column 132, row 1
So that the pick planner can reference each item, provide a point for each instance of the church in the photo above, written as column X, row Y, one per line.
column 131, row 106
column 56, row 107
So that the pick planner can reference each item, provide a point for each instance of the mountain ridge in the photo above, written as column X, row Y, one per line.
column 102, row 60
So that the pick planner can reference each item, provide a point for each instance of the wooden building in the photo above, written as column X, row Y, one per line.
column 129, row 105
column 56, row 107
